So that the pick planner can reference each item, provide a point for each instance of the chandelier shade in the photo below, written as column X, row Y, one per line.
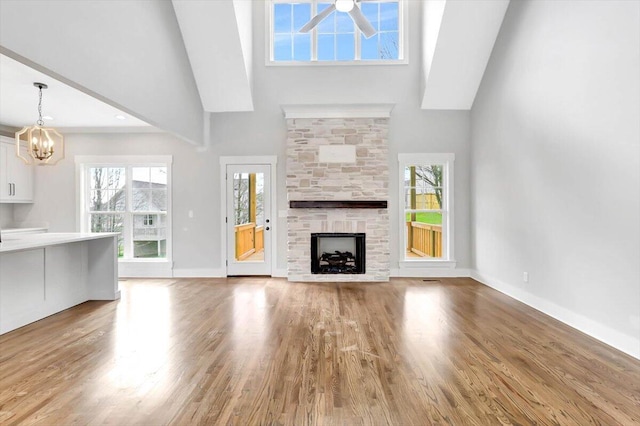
column 38, row 144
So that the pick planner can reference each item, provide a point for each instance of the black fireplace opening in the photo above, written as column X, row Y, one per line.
column 337, row 253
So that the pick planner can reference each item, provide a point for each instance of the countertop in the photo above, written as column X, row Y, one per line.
column 17, row 242
column 22, row 230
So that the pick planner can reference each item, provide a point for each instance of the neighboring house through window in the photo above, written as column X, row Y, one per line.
column 336, row 38
column 129, row 195
column 148, row 220
column 426, row 208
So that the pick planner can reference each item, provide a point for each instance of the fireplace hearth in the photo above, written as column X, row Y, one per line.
column 333, row 253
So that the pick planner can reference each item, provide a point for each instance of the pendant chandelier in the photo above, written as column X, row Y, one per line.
column 43, row 145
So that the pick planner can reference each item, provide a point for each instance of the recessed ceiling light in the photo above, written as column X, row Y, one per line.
column 120, row 117
column 47, row 117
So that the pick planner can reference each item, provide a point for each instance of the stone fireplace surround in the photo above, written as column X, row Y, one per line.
column 365, row 177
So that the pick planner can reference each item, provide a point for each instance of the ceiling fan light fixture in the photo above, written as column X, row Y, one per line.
column 40, row 143
column 344, row 5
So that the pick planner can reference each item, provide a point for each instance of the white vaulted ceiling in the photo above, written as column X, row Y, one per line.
column 458, row 37
column 69, row 107
column 128, row 54
column 168, row 64
column 220, row 53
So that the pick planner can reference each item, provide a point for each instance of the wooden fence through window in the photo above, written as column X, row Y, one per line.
column 424, row 239
column 249, row 240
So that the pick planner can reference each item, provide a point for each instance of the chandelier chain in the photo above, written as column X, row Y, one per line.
column 40, row 122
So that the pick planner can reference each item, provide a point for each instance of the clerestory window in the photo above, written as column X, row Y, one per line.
column 336, row 39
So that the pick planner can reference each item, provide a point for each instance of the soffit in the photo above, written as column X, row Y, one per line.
column 69, row 107
column 458, row 37
column 217, row 38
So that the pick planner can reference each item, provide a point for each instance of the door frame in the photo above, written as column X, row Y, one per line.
column 268, row 160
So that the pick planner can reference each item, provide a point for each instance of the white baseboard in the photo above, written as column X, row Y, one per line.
column 407, row 273
column 215, row 273
column 199, row 273
column 429, row 272
column 144, row 270
column 605, row 334
column 280, row 273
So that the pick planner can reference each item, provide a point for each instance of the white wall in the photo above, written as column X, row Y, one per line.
column 556, row 164
column 263, row 132
column 195, row 187
column 6, row 215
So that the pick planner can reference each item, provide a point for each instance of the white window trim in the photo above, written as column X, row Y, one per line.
column 133, row 266
column 403, row 28
column 448, row 259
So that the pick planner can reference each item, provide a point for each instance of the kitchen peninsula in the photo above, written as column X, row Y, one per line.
column 42, row 274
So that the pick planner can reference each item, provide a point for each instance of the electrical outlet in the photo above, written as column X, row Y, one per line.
column 525, row 277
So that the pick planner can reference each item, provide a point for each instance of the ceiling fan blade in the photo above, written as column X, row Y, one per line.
column 317, row 19
column 362, row 22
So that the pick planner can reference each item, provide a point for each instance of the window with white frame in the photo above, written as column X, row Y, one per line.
column 147, row 220
column 336, row 38
column 129, row 195
column 426, row 207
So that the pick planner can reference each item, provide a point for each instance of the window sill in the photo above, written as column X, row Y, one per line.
column 143, row 260
column 376, row 63
column 431, row 263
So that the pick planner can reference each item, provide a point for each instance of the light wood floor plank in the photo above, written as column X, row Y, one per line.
column 245, row 351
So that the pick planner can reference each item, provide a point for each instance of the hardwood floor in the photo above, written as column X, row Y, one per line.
column 250, row 351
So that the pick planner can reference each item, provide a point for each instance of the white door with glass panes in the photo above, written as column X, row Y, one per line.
column 248, row 221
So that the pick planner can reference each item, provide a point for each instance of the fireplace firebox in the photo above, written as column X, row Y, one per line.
column 337, row 253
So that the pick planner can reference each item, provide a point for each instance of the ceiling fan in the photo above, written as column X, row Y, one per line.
column 348, row 6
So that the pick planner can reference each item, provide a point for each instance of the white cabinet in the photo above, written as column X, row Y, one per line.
column 16, row 178
column 22, row 290
column 47, row 273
